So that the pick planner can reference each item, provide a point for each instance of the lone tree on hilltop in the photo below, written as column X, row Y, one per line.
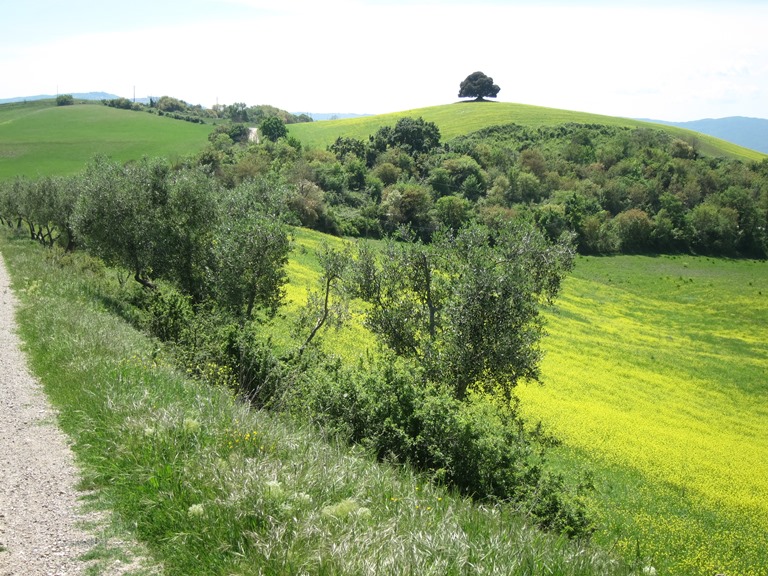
column 478, row 86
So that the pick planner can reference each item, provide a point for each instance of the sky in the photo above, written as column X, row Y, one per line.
column 674, row 60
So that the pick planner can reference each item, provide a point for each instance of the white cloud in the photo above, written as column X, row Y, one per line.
column 679, row 61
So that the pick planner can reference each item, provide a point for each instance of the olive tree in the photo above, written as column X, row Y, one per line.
column 117, row 215
column 251, row 249
column 467, row 306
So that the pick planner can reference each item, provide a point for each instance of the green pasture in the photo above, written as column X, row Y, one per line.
column 39, row 139
column 465, row 117
column 655, row 380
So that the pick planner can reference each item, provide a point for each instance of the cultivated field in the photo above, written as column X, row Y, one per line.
column 654, row 379
column 656, row 374
column 41, row 139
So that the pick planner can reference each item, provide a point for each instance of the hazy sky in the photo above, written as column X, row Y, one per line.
column 669, row 60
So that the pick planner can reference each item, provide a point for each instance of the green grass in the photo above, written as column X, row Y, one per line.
column 42, row 139
column 211, row 487
column 465, row 117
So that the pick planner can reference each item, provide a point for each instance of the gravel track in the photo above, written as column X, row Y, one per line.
column 40, row 514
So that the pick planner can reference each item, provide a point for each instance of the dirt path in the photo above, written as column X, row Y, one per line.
column 38, row 501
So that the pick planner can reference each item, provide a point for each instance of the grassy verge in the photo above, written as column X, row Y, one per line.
column 212, row 487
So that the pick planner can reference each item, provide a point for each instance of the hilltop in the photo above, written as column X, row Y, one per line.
column 75, row 95
column 464, row 117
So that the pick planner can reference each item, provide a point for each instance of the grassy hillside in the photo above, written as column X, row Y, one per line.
column 656, row 372
column 39, row 138
column 654, row 378
column 465, row 117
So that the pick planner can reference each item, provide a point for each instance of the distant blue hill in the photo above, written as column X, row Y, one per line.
column 77, row 96
column 331, row 115
column 748, row 132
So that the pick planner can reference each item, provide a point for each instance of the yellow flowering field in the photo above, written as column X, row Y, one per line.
column 656, row 379
column 656, row 373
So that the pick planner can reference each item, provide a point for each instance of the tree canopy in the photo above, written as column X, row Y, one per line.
column 466, row 306
column 479, row 86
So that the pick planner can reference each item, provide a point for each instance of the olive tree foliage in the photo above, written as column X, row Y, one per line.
column 250, row 252
column 329, row 305
column 467, row 306
column 478, row 86
column 45, row 206
column 118, row 214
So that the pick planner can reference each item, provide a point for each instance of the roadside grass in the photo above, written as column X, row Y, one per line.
column 655, row 375
column 212, row 487
column 38, row 140
column 465, row 117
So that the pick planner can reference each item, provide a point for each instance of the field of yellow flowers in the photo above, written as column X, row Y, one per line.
column 656, row 379
column 656, row 375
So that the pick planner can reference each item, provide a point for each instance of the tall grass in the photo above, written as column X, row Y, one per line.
column 212, row 487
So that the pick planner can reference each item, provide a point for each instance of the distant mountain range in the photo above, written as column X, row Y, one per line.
column 748, row 132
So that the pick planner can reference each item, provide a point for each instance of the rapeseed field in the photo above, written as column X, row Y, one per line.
column 656, row 374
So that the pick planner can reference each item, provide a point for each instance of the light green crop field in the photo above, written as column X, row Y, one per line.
column 656, row 373
column 465, row 117
column 43, row 140
column 655, row 379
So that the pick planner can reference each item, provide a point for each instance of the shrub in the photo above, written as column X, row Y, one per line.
column 478, row 446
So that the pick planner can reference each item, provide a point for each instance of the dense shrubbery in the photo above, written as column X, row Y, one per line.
column 618, row 189
column 207, row 245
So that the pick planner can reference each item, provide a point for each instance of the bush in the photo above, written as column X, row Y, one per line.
column 478, row 446
column 65, row 100
column 170, row 314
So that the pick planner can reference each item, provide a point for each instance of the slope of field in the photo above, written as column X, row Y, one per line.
column 657, row 366
column 465, row 117
column 40, row 139
column 654, row 378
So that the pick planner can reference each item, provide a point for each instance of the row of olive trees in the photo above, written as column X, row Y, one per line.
column 459, row 317
column 179, row 225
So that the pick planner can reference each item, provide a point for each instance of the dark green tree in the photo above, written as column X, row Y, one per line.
column 250, row 253
column 64, row 100
column 272, row 128
column 478, row 86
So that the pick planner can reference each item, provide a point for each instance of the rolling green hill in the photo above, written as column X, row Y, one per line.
column 465, row 117
column 40, row 139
